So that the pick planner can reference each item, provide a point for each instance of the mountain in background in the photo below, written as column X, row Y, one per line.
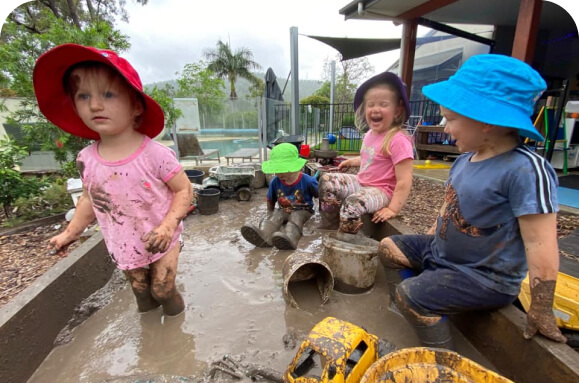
column 307, row 87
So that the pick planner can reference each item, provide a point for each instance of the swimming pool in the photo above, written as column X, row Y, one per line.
column 227, row 146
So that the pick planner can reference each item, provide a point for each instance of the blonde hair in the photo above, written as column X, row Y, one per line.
column 89, row 71
column 397, row 124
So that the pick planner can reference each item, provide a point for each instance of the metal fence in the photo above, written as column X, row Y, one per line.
column 235, row 119
column 317, row 121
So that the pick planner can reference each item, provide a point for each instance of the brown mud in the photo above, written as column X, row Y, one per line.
column 234, row 305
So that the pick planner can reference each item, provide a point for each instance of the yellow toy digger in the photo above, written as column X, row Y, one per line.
column 336, row 351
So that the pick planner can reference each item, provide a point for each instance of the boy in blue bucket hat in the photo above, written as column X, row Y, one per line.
column 293, row 191
column 499, row 218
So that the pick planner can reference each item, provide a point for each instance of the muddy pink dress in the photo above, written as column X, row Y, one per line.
column 130, row 198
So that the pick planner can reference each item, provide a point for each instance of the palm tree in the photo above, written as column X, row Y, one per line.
column 226, row 64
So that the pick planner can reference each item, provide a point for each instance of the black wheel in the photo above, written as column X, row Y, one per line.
column 385, row 347
column 572, row 338
column 244, row 194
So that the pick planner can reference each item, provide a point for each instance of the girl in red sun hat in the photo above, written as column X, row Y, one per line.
column 134, row 186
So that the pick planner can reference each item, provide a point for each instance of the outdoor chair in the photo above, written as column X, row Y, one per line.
column 352, row 139
column 190, row 149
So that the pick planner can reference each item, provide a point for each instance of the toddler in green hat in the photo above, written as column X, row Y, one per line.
column 293, row 191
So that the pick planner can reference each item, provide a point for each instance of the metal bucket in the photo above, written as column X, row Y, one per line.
column 300, row 267
column 353, row 260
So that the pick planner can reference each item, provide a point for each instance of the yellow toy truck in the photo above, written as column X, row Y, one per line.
column 335, row 351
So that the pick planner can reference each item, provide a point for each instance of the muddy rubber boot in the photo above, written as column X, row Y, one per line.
column 350, row 225
column 393, row 278
column 394, row 274
column 330, row 213
column 437, row 335
column 260, row 237
column 431, row 329
column 288, row 238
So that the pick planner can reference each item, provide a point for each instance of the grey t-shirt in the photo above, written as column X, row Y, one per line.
column 478, row 232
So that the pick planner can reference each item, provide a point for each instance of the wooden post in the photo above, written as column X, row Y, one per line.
column 409, row 30
column 526, row 31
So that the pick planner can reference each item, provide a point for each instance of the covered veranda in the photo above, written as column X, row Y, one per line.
column 538, row 32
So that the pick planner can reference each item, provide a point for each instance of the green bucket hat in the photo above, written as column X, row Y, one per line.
column 284, row 158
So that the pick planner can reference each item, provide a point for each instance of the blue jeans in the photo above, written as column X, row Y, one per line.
column 440, row 289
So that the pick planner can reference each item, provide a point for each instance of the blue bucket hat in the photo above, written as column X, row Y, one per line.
column 383, row 78
column 494, row 89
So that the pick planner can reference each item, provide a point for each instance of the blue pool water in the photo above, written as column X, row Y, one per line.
column 228, row 146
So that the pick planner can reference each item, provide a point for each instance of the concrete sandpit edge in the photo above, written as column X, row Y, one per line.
column 31, row 321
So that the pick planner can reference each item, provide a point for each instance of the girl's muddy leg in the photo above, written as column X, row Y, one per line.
column 140, row 281
column 163, row 273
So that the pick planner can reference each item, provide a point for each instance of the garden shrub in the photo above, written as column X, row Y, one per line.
column 13, row 184
column 53, row 199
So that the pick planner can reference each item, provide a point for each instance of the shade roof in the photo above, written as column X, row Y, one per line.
column 489, row 12
column 351, row 48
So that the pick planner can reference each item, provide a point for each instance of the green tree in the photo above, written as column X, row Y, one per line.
column 12, row 184
column 163, row 96
column 227, row 64
column 349, row 75
column 315, row 99
column 31, row 15
column 35, row 27
column 197, row 80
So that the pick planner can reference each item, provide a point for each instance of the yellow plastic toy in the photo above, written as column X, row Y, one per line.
column 565, row 304
column 334, row 351
column 432, row 166
column 421, row 364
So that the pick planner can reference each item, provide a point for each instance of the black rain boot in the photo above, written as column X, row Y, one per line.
column 288, row 238
column 260, row 237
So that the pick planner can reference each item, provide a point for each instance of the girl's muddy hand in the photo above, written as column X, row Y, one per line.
column 58, row 242
column 382, row 215
column 158, row 239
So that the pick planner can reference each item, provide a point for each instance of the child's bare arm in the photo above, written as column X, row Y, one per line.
column 432, row 229
column 403, row 171
column 539, row 232
column 83, row 216
column 351, row 162
column 159, row 239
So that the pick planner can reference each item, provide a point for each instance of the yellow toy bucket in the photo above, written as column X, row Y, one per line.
column 422, row 364
column 565, row 304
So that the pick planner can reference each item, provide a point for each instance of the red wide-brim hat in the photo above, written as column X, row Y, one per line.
column 58, row 107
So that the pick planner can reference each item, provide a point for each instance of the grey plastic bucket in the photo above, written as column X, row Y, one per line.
column 208, row 201
column 195, row 176
column 353, row 260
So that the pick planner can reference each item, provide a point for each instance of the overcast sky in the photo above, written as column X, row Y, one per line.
column 167, row 34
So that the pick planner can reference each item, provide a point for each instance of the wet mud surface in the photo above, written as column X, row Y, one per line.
column 234, row 305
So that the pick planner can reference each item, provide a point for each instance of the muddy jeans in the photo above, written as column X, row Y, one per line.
column 356, row 199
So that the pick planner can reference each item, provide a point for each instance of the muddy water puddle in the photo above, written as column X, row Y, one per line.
column 235, row 305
